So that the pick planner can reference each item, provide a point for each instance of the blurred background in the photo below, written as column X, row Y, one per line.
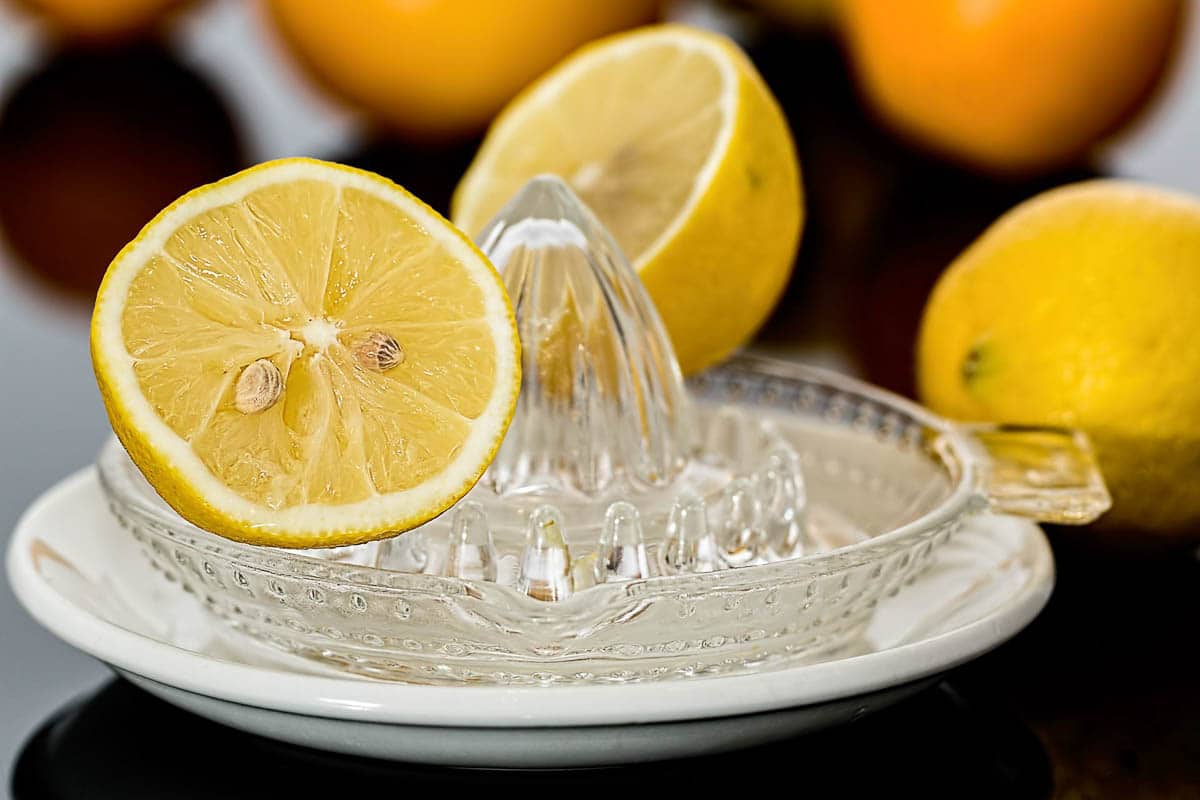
column 110, row 109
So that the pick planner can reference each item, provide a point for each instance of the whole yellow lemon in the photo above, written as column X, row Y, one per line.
column 442, row 67
column 1081, row 307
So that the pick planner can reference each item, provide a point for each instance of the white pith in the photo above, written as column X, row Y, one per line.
column 319, row 333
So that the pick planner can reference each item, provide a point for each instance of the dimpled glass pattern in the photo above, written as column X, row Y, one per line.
column 633, row 527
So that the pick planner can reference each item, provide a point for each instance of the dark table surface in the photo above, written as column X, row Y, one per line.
column 1100, row 697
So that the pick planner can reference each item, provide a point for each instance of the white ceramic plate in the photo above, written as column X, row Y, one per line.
column 80, row 575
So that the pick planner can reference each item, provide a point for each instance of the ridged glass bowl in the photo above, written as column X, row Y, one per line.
column 887, row 483
column 631, row 527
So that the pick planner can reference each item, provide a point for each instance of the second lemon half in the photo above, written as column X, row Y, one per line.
column 671, row 136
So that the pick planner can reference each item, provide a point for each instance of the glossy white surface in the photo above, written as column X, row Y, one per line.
column 81, row 576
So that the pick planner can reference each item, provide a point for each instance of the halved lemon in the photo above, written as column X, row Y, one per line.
column 673, row 139
column 305, row 355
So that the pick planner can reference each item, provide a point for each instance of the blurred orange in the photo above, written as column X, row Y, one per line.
column 100, row 19
column 442, row 67
column 102, row 141
column 1009, row 85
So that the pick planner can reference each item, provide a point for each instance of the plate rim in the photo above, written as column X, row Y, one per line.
column 388, row 702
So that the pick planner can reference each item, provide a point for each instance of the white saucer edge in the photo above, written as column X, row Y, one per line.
column 536, row 748
column 492, row 706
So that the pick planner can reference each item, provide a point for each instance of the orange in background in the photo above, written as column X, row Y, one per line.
column 95, row 143
column 100, row 19
column 442, row 67
column 1009, row 85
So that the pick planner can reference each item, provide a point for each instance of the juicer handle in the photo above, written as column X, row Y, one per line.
column 1048, row 474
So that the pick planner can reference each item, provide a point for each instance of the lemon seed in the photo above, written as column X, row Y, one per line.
column 378, row 352
column 258, row 387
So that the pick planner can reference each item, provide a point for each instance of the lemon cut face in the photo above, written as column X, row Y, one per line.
column 630, row 127
column 305, row 355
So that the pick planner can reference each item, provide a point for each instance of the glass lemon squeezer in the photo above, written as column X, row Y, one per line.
column 633, row 527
